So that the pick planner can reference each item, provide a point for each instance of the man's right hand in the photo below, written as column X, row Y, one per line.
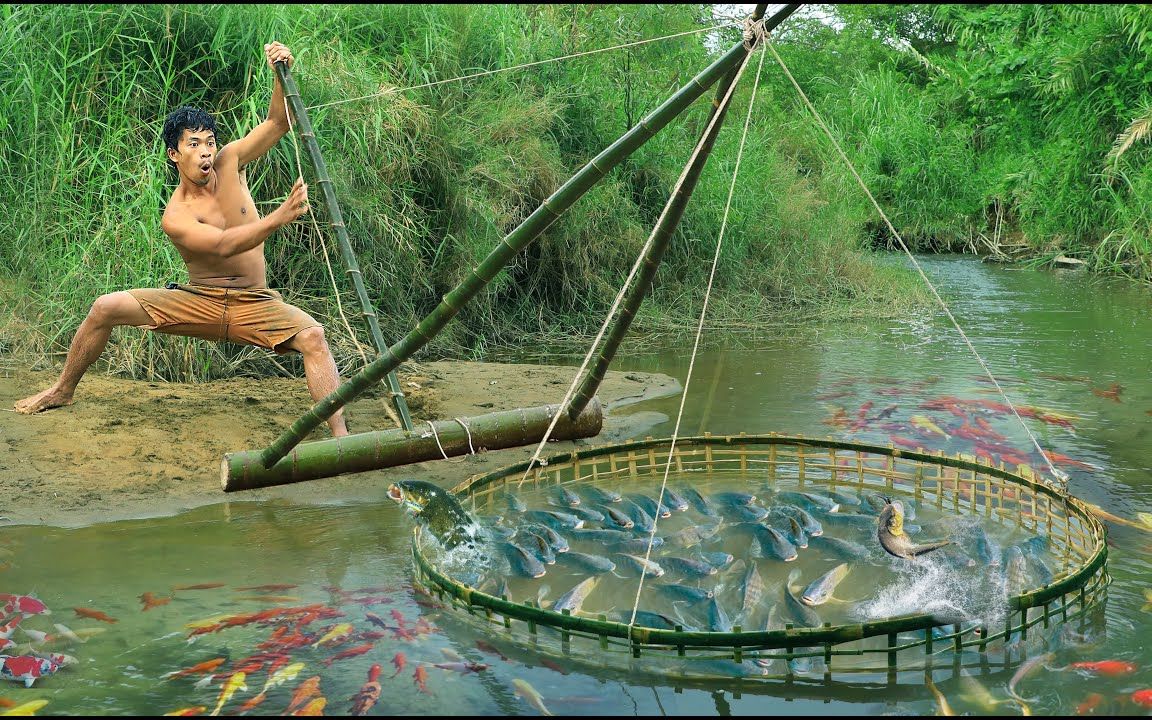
column 295, row 205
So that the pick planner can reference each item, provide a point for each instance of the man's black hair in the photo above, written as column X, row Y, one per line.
column 186, row 118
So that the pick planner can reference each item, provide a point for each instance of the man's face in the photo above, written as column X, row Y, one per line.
column 194, row 155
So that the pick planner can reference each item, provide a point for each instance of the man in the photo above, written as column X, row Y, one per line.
column 212, row 221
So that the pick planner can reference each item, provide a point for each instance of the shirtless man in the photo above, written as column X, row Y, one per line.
column 212, row 221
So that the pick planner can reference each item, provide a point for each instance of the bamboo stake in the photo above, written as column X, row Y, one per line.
column 662, row 235
column 304, row 130
column 535, row 224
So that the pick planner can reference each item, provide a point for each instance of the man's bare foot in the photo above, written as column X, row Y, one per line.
column 50, row 398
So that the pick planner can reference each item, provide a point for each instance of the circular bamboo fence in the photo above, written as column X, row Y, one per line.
column 952, row 485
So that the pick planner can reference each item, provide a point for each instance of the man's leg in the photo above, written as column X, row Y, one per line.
column 109, row 311
column 319, row 371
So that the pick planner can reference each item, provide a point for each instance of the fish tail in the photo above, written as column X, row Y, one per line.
column 921, row 549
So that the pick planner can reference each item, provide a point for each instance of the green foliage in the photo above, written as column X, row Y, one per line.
column 432, row 171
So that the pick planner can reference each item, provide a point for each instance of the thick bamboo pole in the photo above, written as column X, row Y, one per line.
column 389, row 448
column 304, row 129
column 665, row 229
column 535, row 224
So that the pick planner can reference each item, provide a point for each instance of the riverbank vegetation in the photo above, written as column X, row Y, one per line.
column 984, row 128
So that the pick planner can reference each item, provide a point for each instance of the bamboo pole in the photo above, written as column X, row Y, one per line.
column 389, row 448
column 535, row 224
column 304, row 130
column 665, row 229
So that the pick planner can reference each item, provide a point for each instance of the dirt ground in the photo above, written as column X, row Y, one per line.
column 133, row 449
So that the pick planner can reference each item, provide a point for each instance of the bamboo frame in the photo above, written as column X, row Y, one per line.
column 533, row 226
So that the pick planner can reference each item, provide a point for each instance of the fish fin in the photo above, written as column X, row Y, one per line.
column 929, row 547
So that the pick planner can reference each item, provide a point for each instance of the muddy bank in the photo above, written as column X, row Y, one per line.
column 134, row 449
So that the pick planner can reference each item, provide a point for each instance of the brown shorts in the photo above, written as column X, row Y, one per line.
column 248, row 316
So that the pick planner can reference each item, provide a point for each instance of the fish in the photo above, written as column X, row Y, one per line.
column 22, row 604
column 801, row 613
column 68, row 634
column 649, row 504
column 838, row 547
column 618, row 518
column 187, row 712
column 717, row 558
column 648, row 618
column 567, row 498
column 771, row 544
column 640, row 565
column 1023, row 671
column 9, row 627
column 923, row 423
column 683, row 593
column 893, row 538
column 350, row 652
column 555, row 540
column 234, row 682
column 796, row 534
column 369, row 692
column 820, row 590
column 439, row 511
column 1105, row 667
column 28, row 668
column 205, row 667
column 807, row 521
column 522, row 689
column 150, row 601
column 420, row 677
column 574, row 598
column 941, row 701
column 699, row 503
column 751, row 591
column 523, row 562
column 687, row 567
column 673, row 500
column 283, row 675
column 462, row 666
column 304, row 692
column 1142, row 698
column 335, row 634
column 733, row 497
column 274, row 587
column 555, row 519
column 586, row 562
column 24, row 709
column 94, row 615
column 199, row 586
column 399, row 660
column 313, row 707
column 599, row 495
column 810, row 500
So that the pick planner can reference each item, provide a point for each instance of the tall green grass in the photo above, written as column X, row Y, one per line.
column 429, row 179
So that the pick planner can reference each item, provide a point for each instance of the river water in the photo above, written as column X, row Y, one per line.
column 1075, row 346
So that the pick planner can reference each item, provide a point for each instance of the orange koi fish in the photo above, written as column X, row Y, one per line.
column 1106, row 667
column 205, row 667
column 252, row 702
column 1142, row 698
column 94, row 615
column 399, row 660
column 187, row 712
column 304, row 692
column 315, row 706
column 6, row 703
column 337, row 633
column 350, row 652
column 1112, row 393
column 150, row 601
column 420, row 676
column 369, row 692
column 201, row 586
column 1090, row 703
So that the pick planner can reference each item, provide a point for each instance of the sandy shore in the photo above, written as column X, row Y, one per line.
column 134, row 449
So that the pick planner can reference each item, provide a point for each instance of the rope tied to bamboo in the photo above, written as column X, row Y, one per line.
column 755, row 33
column 434, row 434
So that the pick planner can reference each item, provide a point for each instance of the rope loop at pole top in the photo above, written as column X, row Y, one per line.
column 754, row 33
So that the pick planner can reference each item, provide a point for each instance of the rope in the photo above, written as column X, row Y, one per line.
column 391, row 91
column 471, row 448
column 703, row 312
column 620, row 295
column 1061, row 476
column 328, row 263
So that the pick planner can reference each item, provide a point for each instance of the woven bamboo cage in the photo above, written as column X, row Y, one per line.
column 1074, row 597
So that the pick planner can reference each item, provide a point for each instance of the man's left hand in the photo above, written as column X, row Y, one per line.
column 275, row 52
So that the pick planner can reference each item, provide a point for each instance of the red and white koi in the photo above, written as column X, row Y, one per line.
column 28, row 668
column 23, row 604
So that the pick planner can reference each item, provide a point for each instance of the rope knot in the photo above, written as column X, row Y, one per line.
column 754, row 33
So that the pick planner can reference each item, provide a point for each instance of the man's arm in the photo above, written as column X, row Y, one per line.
column 203, row 239
column 268, row 133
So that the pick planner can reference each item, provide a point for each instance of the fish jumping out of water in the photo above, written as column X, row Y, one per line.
column 438, row 510
column 893, row 538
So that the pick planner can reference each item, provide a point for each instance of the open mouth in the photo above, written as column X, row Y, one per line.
column 396, row 494
column 206, row 167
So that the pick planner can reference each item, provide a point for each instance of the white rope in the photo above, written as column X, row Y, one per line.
column 471, row 449
column 1058, row 474
column 391, row 91
column 623, row 289
column 328, row 263
column 703, row 312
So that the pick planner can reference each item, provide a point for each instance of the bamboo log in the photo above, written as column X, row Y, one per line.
column 535, row 224
column 304, row 130
column 389, row 448
column 662, row 234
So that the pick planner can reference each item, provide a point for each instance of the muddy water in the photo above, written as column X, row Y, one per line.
column 1073, row 347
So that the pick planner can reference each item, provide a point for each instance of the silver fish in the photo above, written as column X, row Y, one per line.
column 574, row 598
column 820, row 590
